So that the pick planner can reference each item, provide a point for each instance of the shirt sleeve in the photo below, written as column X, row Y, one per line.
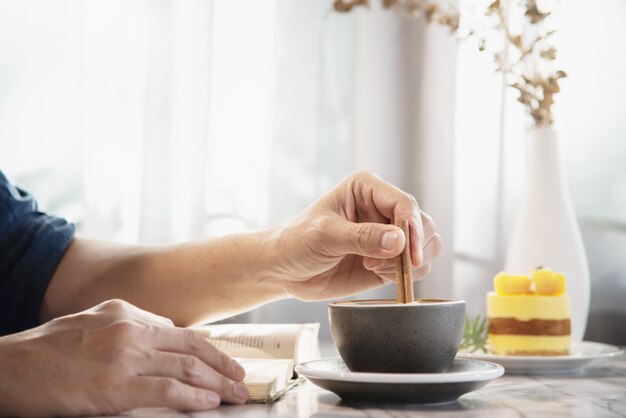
column 31, row 245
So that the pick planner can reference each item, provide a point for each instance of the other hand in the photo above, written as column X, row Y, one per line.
column 112, row 358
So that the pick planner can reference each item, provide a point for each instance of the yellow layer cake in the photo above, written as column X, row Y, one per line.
column 522, row 322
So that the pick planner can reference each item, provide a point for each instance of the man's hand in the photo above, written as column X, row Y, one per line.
column 111, row 358
column 345, row 242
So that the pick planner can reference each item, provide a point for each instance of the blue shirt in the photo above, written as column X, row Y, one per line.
column 31, row 245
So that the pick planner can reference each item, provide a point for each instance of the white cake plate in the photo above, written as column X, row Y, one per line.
column 582, row 353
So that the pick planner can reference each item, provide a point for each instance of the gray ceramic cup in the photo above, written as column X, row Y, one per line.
column 384, row 336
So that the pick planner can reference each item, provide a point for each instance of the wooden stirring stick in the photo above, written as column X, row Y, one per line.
column 407, row 270
column 399, row 279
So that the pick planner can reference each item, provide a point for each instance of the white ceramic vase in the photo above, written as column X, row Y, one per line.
column 546, row 232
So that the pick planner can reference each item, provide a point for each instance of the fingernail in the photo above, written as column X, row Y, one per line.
column 389, row 240
column 213, row 398
column 238, row 370
column 240, row 391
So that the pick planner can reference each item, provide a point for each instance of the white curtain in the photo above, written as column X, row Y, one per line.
column 159, row 121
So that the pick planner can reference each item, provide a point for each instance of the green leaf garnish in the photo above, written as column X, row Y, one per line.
column 475, row 334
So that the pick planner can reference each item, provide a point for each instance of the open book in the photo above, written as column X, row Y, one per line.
column 268, row 352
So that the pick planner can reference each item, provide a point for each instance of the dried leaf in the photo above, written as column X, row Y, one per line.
column 414, row 6
column 430, row 11
column 451, row 21
column 500, row 59
column 543, row 116
column 494, row 7
column 554, row 86
column 547, row 102
column 518, row 86
column 533, row 13
column 549, row 53
column 391, row 3
column 560, row 74
column 525, row 98
column 343, row 6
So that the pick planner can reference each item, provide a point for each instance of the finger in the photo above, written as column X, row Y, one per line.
column 389, row 270
column 432, row 249
column 188, row 341
column 371, row 263
column 193, row 371
column 389, row 276
column 375, row 264
column 385, row 267
column 417, row 253
column 366, row 239
column 385, row 271
column 429, row 227
column 421, row 272
column 150, row 391
column 418, row 274
column 369, row 190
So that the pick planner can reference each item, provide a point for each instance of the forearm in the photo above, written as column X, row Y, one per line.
column 15, row 354
column 7, row 376
column 188, row 283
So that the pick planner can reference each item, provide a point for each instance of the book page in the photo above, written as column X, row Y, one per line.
column 307, row 344
column 289, row 341
column 266, row 377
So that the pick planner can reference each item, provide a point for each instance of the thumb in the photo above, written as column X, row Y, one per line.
column 370, row 239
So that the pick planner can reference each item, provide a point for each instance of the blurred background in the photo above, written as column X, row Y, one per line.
column 158, row 121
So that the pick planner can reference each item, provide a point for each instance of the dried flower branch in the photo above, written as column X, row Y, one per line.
column 433, row 12
column 523, row 58
column 347, row 5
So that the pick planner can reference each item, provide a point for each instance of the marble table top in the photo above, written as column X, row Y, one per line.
column 598, row 391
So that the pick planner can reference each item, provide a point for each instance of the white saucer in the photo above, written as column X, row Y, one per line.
column 582, row 353
column 465, row 375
